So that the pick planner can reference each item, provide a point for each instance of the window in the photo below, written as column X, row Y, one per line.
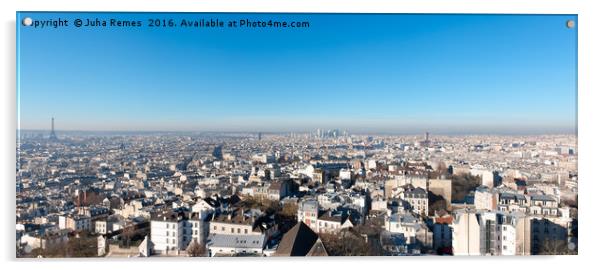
column 231, row 230
column 246, row 231
column 238, row 230
column 223, row 228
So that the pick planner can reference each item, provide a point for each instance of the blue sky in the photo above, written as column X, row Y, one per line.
column 365, row 73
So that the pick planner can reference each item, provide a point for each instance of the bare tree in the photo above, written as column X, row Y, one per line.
column 551, row 246
column 346, row 243
column 289, row 209
column 126, row 235
column 195, row 249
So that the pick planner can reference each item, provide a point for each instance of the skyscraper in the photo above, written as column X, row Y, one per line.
column 427, row 140
column 52, row 134
column 217, row 152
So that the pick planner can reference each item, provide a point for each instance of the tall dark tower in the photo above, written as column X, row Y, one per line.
column 427, row 140
column 218, row 153
column 52, row 134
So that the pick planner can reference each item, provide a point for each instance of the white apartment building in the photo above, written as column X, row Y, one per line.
column 498, row 234
column 100, row 227
column 307, row 213
column 486, row 175
column 324, row 222
column 484, row 199
column 174, row 231
column 418, row 200
column 491, row 233
column 205, row 208
column 239, row 232
column 466, row 233
column 74, row 222
column 412, row 229
column 329, row 223
column 545, row 205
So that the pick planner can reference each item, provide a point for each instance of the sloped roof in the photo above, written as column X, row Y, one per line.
column 298, row 241
column 318, row 249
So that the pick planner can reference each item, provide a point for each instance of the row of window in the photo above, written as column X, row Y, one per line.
column 173, row 226
column 238, row 230
column 194, row 232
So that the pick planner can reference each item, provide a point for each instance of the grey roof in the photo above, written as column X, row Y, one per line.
column 403, row 218
column 309, row 205
column 537, row 197
column 415, row 193
column 235, row 241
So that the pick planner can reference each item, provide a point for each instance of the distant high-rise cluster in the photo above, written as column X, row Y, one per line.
column 330, row 133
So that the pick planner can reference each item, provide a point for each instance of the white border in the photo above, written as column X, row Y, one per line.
column 589, row 104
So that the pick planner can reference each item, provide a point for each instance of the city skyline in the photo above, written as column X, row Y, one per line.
column 364, row 73
column 52, row 134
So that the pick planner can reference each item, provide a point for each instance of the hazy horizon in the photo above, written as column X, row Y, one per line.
column 281, row 132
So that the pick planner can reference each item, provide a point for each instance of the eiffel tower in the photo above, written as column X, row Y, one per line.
column 52, row 134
